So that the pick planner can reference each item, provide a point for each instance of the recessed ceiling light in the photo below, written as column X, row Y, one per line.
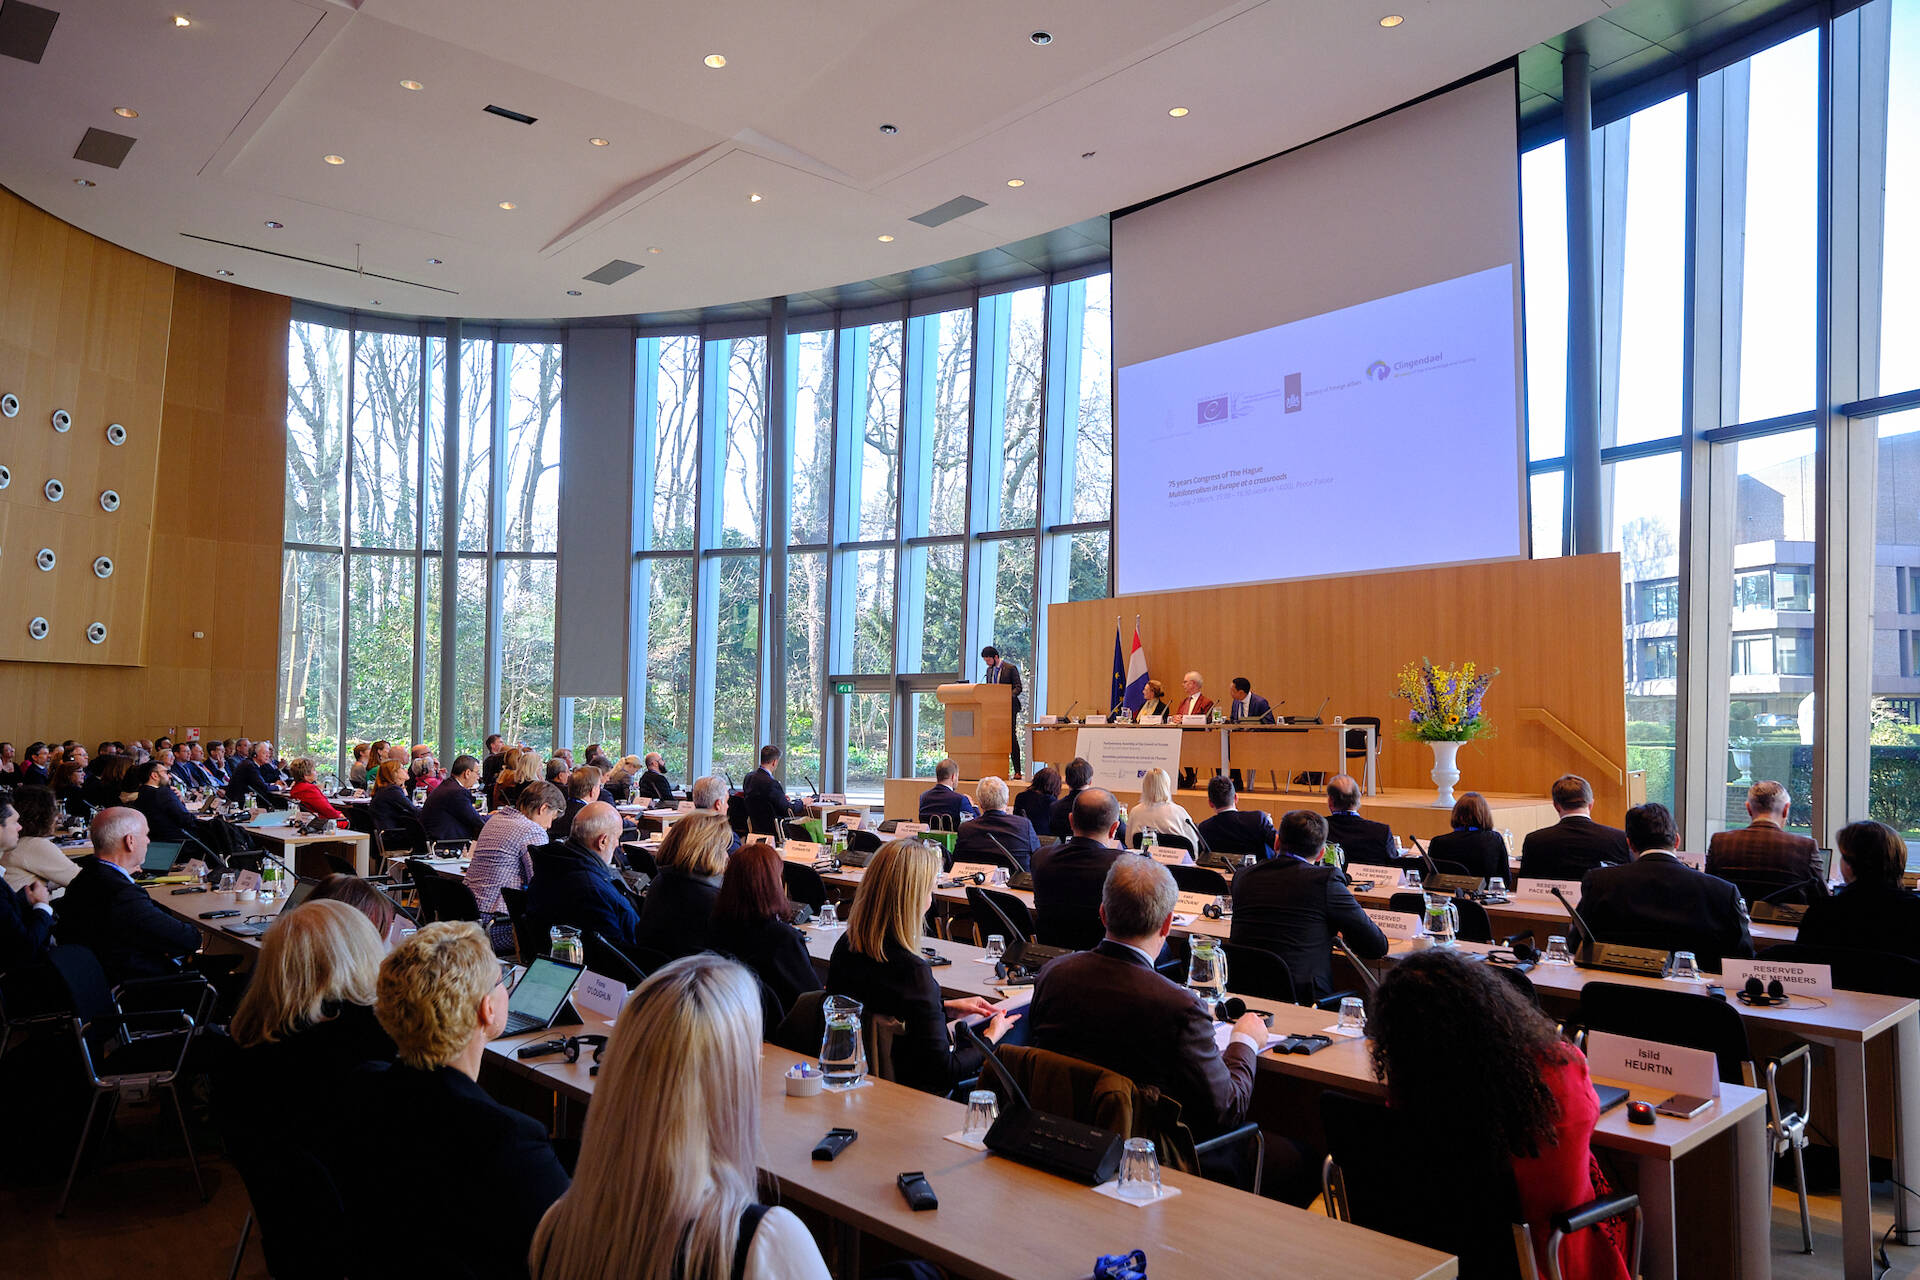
column 653, row 248
column 508, row 205
column 755, row 198
column 223, row 272
column 334, row 159
column 1041, row 37
column 1392, row 20
column 886, row 239
column 1176, row 112
column 126, row 113
column 274, row 226
column 715, row 60
column 412, row 86
column 433, row 262
column 598, row 142
column 376, row 302
column 182, row 20
column 573, row 293
column 83, row 182
column 889, row 128
column 1016, row 182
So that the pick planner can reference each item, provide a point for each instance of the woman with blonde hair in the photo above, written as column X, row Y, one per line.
column 878, row 963
column 666, row 1184
column 390, row 807
column 1158, row 813
column 521, row 771
column 617, row 786
column 678, row 917
column 312, row 989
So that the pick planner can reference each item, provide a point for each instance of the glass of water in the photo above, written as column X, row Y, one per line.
column 1139, row 1171
column 227, row 881
column 1413, row 880
column 1557, row 950
column 983, row 1108
column 996, row 947
column 829, row 914
column 1686, row 967
column 1353, row 1015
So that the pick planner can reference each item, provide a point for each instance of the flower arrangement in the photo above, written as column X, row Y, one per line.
column 1445, row 705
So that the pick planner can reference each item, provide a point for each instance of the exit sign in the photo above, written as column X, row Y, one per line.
column 845, row 686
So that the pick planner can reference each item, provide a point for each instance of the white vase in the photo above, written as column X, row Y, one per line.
column 1445, row 772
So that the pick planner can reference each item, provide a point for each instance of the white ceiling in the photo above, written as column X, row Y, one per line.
column 237, row 110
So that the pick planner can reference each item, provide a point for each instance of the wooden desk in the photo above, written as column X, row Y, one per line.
column 214, row 939
column 358, row 844
column 1545, row 916
column 1210, row 748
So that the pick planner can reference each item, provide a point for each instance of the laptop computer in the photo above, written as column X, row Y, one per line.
column 540, row 994
column 302, row 890
column 161, row 855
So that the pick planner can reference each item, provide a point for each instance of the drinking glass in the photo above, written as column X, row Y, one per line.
column 1686, row 967
column 843, row 1054
column 983, row 1108
column 829, row 914
column 1002, row 877
column 996, row 946
column 1353, row 1014
column 1557, row 950
column 1413, row 880
column 564, row 944
column 1139, row 1171
column 227, row 881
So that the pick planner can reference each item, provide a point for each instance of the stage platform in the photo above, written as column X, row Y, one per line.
column 1408, row 812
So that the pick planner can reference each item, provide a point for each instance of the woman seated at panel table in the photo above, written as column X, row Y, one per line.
column 1156, row 703
column 390, row 807
column 1473, row 844
column 1872, row 913
column 668, row 1179
column 1453, row 1039
column 878, row 962
column 1158, row 813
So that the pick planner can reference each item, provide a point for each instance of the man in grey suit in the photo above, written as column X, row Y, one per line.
column 1000, row 671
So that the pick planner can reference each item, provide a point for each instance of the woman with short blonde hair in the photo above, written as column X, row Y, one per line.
column 1158, row 813
column 677, row 919
column 698, row 845
column 430, row 991
column 878, row 963
column 315, row 961
column 665, row 1188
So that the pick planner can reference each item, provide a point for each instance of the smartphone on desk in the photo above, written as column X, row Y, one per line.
column 1683, row 1106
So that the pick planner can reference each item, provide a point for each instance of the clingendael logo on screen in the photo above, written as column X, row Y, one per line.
column 1379, row 371
column 1293, row 393
column 1212, row 409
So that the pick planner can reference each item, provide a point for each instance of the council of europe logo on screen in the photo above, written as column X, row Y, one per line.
column 1379, row 371
column 1212, row 409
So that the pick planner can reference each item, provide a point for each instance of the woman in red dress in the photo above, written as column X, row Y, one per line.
column 1450, row 1038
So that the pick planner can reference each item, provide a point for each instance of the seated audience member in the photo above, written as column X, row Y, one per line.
column 441, row 998
column 1157, row 812
column 678, row 917
column 1156, row 700
column 422, row 776
column 269, row 768
column 559, row 771
column 1361, row 839
column 522, row 771
column 575, row 884
column 668, row 1179
column 215, row 762
column 1764, row 858
column 249, row 778
column 1472, row 844
column 616, row 783
column 767, row 801
column 1576, row 844
column 751, row 919
column 583, row 789
column 9, row 764
column 1068, row 877
column 1871, row 912
column 448, row 813
column 70, row 787
column 357, row 769
column 184, row 772
column 1293, row 905
column 1077, row 774
column 390, row 808
column 998, row 833
column 1081, row 1001
column 32, row 854
column 306, row 793
column 166, row 814
column 26, row 919
column 363, row 896
column 499, row 859
column 106, row 778
column 1232, row 831
column 37, row 771
column 1450, row 1039
column 1035, row 803
column 133, row 936
column 709, row 795
column 941, row 801
column 1658, row 901
column 877, row 961
column 491, row 760
column 653, row 784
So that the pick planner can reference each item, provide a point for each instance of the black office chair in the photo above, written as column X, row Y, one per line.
column 864, row 841
column 1356, row 740
column 1697, row 1021
column 803, row 884
column 1411, row 902
column 603, row 957
column 995, row 911
column 424, row 879
column 1779, row 887
column 1475, row 926
column 1199, row 880
column 637, row 858
column 1879, row 973
column 1255, row 971
column 529, row 939
column 805, row 1025
column 1165, row 839
column 1472, row 1213
column 796, row 829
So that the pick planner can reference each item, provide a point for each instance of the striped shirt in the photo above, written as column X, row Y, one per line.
column 500, row 856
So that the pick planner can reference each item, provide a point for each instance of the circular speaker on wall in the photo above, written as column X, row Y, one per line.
column 38, row 628
column 109, row 500
column 9, row 405
column 62, row 420
column 44, row 559
column 116, row 434
column 102, row 567
column 55, row 491
column 97, row 632
column 6, row 477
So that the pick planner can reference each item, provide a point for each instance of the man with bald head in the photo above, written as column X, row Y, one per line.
column 105, row 911
column 575, row 883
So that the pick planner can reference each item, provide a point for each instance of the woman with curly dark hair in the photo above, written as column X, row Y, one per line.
column 1449, row 1038
column 1035, row 804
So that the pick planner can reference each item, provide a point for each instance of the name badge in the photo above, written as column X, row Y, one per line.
column 1193, row 719
column 685, row 806
column 1168, row 856
column 1794, row 979
column 1657, row 1066
column 1153, row 720
column 1544, row 889
column 1382, row 877
column 908, row 828
column 1191, row 904
column 1698, row 861
column 1095, row 720
column 972, row 869
column 801, row 851
column 596, row 993
column 1403, row 925
column 1046, row 719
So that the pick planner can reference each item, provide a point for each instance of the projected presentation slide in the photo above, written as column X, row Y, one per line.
column 1377, row 436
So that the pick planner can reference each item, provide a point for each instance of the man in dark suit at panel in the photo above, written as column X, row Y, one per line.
column 1658, row 901
column 1068, row 877
column 767, row 802
column 941, row 801
column 1361, row 839
column 1293, row 905
column 1764, row 858
column 1109, row 1006
column 1576, row 844
column 1232, row 831
column 997, row 831
column 106, row 911
column 1000, row 671
column 1246, row 707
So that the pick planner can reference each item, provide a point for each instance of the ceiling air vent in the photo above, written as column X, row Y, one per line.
column 505, row 114
column 102, row 146
column 940, row 214
column 613, row 273
column 25, row 30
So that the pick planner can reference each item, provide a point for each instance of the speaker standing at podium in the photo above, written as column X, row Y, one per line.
column 1000, row 671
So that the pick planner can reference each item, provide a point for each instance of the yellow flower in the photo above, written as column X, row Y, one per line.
column 1453, row 719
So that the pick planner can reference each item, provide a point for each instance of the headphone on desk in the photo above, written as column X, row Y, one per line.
column 1214, row 911
column 1775, row 993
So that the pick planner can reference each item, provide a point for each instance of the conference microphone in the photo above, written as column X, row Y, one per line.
column 813, row 786
column 1432, row 871
column 1067, row 715
column 1366, row 974
column 1586, row 930
column 1013, row 863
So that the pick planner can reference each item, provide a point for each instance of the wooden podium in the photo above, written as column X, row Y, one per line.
column 979, row 727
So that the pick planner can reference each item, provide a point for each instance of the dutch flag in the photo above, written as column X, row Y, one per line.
column 1136, row 672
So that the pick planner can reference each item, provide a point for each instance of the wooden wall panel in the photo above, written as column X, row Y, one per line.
column 1552, row 627
column 196, row 371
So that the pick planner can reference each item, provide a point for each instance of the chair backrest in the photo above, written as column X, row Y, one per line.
column 1071, row 1087
column 409, row 837
column 527, row 936
column 803, row 884
column 1413, row 903
column 1166, row 839
column 797, row 829
column 310, row 862
column 1255, row 971
column 739, row 811
column 1356, row 739
column 88, row 992
column 804, row 1026
column 638, row 859
column 1880, row 973
column 880, row 1031
column 1011, row 908
column 1780, row 887
column 1469, row 1213
column 1670, row 1017
column 1475, row 925
column 425, row 881
column 603, row 957
column 865, row 840
column 1199, row 880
